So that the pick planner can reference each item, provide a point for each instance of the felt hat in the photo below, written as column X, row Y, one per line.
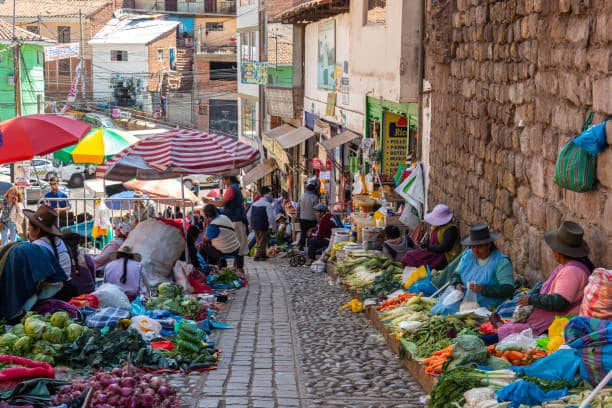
column 480, row 235
column 127, row 252
column 44, row 218
column 568, row 240
column 440, row 215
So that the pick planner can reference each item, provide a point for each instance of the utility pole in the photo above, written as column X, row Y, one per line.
column 16, row 75
column 81, row 55
column 261, row 117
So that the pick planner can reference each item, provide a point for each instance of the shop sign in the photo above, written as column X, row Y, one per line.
column 62, row 51
column 344, row 90
column 330, row 107
column 395, row 142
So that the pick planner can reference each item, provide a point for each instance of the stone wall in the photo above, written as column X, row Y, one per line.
column 512, row 80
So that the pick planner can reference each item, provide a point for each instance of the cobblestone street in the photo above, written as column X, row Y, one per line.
column 290, row 346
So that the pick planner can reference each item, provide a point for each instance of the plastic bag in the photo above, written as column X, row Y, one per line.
column 159, row 254
column 181, row 271
column 593, row 140
column 410, row 217
column 146, row 326
column 521, row 313
column 410, row 275
column 410, row 325
column 451, row 296
column 357, row 186
column 476, row 395
column 469, row 302
column 522, row 341
column 555, row 334
column 110, row 295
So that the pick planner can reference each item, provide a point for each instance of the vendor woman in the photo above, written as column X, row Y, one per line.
column 562, row 292
column 443, row 245
column 483, row 269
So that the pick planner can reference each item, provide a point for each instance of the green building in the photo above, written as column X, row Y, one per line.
column 31, row 71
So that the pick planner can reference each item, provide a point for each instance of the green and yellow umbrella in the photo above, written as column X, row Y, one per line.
column 96, row 147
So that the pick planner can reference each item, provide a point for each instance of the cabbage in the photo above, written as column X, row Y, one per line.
column 73, row 331
column 8, row 340
column 34, row 327
column 53, row 335
column 44, row 358
column 23, row 345
column 169, row 290
column 60, row 319
column 18, row 330
column 44, row 347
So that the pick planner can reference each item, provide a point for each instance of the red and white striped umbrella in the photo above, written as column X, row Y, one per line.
column 177, row 153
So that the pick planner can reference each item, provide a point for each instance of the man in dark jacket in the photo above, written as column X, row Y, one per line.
column 261, row 220
column 320, row 237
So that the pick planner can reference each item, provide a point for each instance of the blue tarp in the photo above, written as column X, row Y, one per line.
column 525, row 392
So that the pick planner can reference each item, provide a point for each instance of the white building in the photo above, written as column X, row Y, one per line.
column 130, row 56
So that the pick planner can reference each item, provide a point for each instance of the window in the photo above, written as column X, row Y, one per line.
column 160, row 55
column 248, row 46
column 224, row 116
column 63, row 34
column 39, row 57
column 33, row 29
column 376, row 11
column 247, row 2
column 214, row 26
column 63, row 66
column 249, row 111
column 117, row 55
column 223, row 71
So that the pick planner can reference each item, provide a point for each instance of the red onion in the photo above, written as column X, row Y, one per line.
column 147, row 377
column 107, row 380
column 114, row 388
column 148, row 391
column 146, row 400
column 164, row 391
column 128, row 382
column 126, row 391
column 116, row 372
column 155, row 382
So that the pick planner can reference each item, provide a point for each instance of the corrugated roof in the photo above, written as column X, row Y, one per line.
column 52, row 8
column 133, row 31
column 24, row 36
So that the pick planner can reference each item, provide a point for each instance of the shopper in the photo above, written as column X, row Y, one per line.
column 11, row 215
column 220, row 239
column 53, row 197
column 306, row 214
column 83, row 272
column 261, row 220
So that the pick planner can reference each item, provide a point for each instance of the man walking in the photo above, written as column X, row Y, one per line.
column 261, row 220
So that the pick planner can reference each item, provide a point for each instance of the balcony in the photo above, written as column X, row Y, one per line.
column 221, row 7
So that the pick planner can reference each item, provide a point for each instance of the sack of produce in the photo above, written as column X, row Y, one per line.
column 159, row 254
column 597, row 300
column 110, row 295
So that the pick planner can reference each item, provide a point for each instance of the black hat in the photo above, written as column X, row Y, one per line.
column 568, row 240
column 479, row 235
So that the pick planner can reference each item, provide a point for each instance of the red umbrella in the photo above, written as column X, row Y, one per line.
column 177, row 153
column 24, row 137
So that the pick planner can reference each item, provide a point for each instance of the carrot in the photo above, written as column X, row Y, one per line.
column 512, row 355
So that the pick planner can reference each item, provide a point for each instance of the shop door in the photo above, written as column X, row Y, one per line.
column 171, row 5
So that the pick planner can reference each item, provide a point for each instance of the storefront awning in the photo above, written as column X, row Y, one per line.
column 294, row 137
column 339, row 140
column 260, row 171
column 279, row 131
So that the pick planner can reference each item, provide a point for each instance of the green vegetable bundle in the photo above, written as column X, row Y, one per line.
column 455, row 382
column 435, row 334
column 226, row 276
column 171, row 298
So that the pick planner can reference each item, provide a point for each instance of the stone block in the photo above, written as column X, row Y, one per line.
column 599, row 60
column 498, row 220
column 569, row 90
column 607, row 215
column 598, row 242
column 588, row 205
column 601, row 34
column 536, row 177
column 602, row 91
column 609, row 131
column 550, row 144
column 604, row 167
column 578, row 30
column 536, row 212
column 565, row 6
column 553, row 217
column 534, row 238
column 581, row 59
column 503, row 201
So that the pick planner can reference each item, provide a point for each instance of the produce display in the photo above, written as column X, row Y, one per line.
column 415, row 309
column 394, row 302
column 435, row 334
column 516, row 356
column 171, row 298
column 226, row 276
column 121, row 388
column 41, row 338
column 374, row 275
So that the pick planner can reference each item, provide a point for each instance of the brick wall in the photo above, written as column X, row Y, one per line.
column 511, row 81
column 205, row 89
column 157, row 67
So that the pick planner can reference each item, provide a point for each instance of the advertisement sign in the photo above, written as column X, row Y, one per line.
column 254, row 72
column 395, row 142
column 326, row 56
column 61, row 51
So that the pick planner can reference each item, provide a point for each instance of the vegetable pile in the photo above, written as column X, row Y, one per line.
column 372, row 274
column 416, row 308
column 226, row 276
column 515, row 355
column 397, row 301
column 435, row 334
column 41, row 338
column 121, row 388
column 171, row 298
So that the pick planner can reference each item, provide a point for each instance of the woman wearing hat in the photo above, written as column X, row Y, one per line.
column 319, row 239
column 443, row 244
column 124, row 272
column 561, row 293
column 83, row 272
column 43, row 231
column 283, row 230
column 121, row 230
column 483, row 269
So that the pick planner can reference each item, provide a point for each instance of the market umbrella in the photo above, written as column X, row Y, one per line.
column 98, row 145
column 24, row 137
column 114, row 202
column 170, row 188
